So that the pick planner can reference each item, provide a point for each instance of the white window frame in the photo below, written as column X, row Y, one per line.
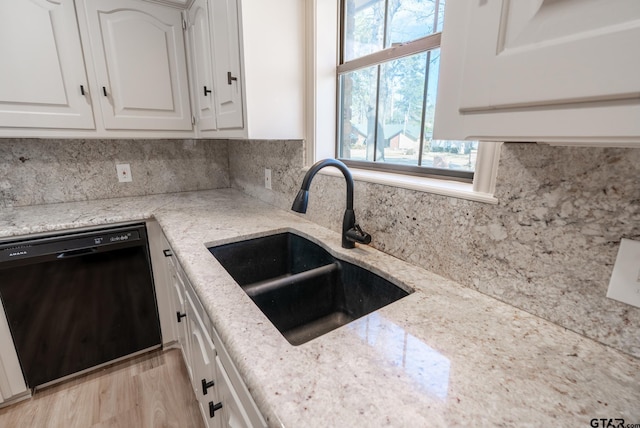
column 322, row 44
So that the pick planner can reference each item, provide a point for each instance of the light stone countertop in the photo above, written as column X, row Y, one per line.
column 445, row 355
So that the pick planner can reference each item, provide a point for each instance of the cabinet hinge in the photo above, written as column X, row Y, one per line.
column 193, row 120
column 184, row 24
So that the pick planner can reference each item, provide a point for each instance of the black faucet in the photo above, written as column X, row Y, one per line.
column 351, row 232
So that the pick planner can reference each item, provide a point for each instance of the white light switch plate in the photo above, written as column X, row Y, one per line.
column 124, row 172
column 624, row 285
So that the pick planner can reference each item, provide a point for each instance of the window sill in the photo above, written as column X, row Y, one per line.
column 449, row 188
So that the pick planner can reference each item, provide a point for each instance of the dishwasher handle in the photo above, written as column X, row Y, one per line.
column 76, row 253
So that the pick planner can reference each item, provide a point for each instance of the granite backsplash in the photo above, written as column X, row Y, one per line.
column 42, row 171
column 548, row 246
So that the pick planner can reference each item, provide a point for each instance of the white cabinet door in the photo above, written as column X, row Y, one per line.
column 160, row 252
column 200, row 55
column 242, row 411
column 542, row 70
column 202, row 360
column 180, row 312
column 226, row 63
column 12, row 382
column 139, row 64
column 42, row 69
column 233, row 413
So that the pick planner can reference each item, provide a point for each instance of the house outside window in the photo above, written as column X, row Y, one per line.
column 388, row 77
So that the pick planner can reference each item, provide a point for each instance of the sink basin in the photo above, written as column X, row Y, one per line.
column 303, row 290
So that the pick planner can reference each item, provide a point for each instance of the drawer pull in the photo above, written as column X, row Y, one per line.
column 180, row 316
column 167, row 253
column 213, row 408
column 206, row 385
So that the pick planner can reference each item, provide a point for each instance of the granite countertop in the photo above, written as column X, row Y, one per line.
column 445, row 355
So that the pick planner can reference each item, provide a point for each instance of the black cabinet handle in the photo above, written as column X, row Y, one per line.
column 180, row 316
column 213, row 408
column 75, row 253
column 230, row 78
column 104, row 90
column 206, row 385
column 206, row 91
column 82, row 89
column 167, row 253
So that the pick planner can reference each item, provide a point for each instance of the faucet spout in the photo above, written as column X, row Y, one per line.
column 351, row 232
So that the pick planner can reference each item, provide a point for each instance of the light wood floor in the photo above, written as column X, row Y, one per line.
column 151, row 390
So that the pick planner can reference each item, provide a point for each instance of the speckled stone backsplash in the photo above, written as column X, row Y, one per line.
column 547, row 247
column 42, row 171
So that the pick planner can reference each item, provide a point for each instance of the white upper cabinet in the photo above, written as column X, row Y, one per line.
column 200, row 55
column 565, row 71
column 214, row 59
column 118, row 68
column 139, row 64
column 42, row 76
column 226, row 57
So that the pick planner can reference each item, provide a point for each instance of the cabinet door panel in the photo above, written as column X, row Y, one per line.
column 182, row 329
column 203, row 350
column 226, row 48
column 548, row 52
column 201, row 65
column 203, row 369
column 552, row 71
column 233, row 414
column 138, row 52
column 42, row 66
column 12, row 382
column 160, row 253
column 203, row 354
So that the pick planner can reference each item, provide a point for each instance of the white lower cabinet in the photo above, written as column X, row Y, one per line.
column 162, row 274
column 12, row 383
column 202, row 360
column 223, row 398
column 179, row 314
column 233, row 413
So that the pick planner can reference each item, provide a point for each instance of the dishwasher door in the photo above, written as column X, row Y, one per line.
column 78, row 301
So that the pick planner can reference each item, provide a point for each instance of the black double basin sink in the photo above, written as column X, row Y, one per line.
column 303, row 290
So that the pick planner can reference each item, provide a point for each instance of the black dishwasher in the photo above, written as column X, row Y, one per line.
column 79, row 300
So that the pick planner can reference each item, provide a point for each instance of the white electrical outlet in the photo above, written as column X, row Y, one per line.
column 267, row 178
column 624, row 285
column 124, row 172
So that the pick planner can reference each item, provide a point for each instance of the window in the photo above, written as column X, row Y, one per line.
column 388, row 78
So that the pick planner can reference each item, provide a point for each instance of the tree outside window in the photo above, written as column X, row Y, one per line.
column 388, row 77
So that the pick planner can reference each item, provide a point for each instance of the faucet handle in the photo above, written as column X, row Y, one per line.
column 356, row 234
